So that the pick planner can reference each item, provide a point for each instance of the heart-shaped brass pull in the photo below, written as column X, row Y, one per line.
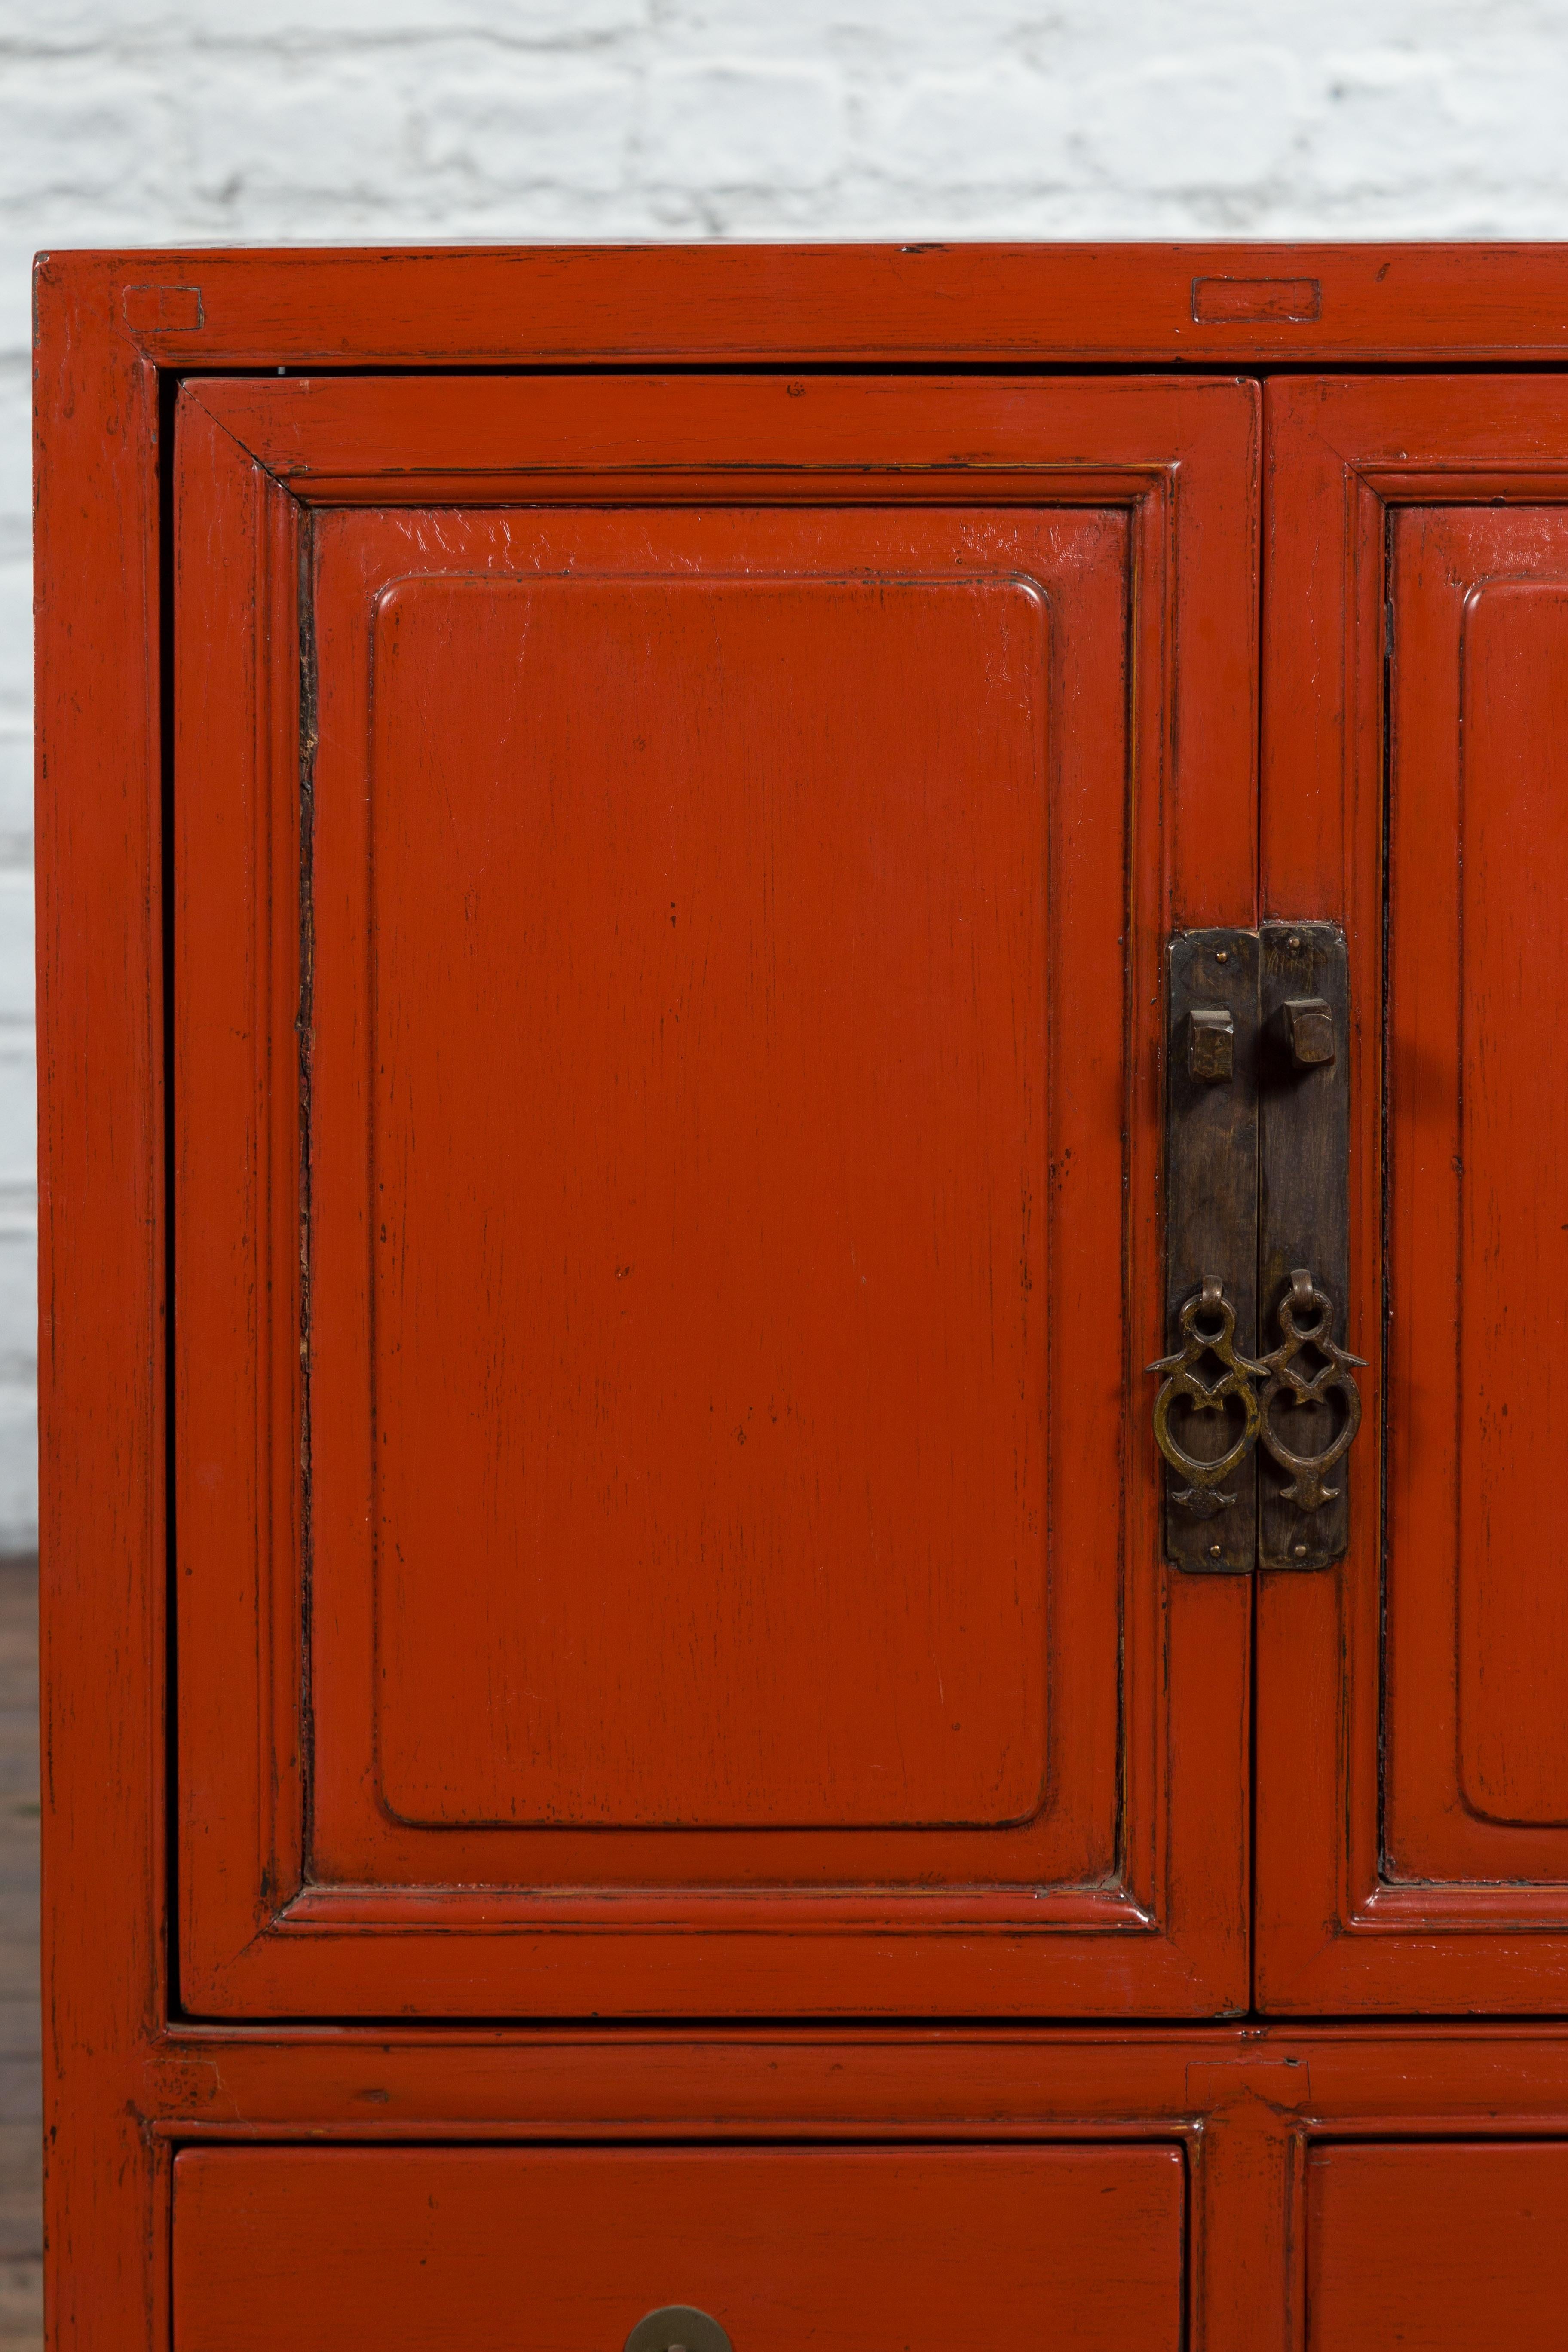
column 1308, row 1489
column 1208, row 1329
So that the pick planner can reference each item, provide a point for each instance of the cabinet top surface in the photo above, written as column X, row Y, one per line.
column 821, row 304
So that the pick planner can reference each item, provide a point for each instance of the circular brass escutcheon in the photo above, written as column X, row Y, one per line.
column 678, row 2328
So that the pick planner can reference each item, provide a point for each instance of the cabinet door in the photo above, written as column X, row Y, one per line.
column 1412, row 1741
column 667, row 1192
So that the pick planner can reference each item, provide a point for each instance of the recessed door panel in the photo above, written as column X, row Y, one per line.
column 1424, row 1811
column 670, row 1096
column 420, row 2248
column 1511, row 1367
column 708, row 946
column 703, row 1338
column 1479, row 865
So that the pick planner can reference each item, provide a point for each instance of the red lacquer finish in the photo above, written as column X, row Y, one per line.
column 1478, row 1788
column 704, row 1239
column 717, row 1113
column 1437, row 2248
column 789, row 305
column 607, row 827
column 414, row 2247
column 1412, row 1760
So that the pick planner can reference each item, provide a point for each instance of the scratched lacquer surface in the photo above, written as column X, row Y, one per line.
column 863, row 2249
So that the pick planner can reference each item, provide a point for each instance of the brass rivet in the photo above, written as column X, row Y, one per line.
column 1300, row 1551
column 1217, row 1551
column 1294, row 941
column 1221, row 955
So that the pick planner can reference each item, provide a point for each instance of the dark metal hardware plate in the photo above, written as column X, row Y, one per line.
column 1303, row 1222
column 1211, row 1209
column 1258, row 1405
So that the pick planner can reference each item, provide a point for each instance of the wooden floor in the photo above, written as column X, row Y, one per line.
column 21, row 2226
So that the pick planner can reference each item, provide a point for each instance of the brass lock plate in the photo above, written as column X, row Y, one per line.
column 1258, row 1405
column 1303, row 1220
column 1210, row 1221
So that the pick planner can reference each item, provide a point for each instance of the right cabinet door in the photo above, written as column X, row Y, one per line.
column 1413, row 1702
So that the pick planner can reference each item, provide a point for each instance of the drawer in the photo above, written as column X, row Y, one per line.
column 1438, row 2247
column 566, row 2250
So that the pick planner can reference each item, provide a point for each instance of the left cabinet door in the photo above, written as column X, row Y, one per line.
column 671, row 881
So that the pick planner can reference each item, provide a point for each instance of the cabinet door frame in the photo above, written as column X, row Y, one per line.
column 1333, row 1933
column 258, row 1937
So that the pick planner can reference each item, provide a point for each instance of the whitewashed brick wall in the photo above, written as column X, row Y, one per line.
column 143, row 121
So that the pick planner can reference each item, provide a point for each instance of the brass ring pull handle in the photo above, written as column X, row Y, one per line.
column 1208, row 1329
column 1285, row 1377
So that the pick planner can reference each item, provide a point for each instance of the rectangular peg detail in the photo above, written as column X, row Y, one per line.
column 1211, row 1043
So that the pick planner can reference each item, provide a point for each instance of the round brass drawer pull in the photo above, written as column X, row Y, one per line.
column 678, row 2328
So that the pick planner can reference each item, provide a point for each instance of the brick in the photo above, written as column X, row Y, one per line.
column 18, row 1466
column 974, row 131
column 76, row 128
column 1529, row 125
column 19, row 1108
column 1225, row 121
column 18, row 1296
column 15, row 637
column 1385, row 119
column 178, row 26
column 16, row 446
column 18, row 242
column 15, row 945
column 877, row 36
column 307, row 131
column 731, row 126
column 520, row 127
column 15, row 794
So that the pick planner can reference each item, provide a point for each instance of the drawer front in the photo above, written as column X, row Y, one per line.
column 1438, row 2247
column 566, row 2250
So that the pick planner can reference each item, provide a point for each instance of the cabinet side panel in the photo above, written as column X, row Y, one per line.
column 101, row 1305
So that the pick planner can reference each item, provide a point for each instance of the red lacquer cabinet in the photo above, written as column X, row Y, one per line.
column 691, row 904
